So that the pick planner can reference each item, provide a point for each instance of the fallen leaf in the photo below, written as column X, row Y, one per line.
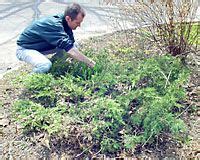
column 4, row 122
column 46, row 141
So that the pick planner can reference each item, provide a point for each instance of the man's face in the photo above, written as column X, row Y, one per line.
column 73, row 24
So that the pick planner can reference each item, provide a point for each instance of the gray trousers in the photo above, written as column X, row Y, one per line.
column 38, row 60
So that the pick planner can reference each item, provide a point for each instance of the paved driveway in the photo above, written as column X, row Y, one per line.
column 14, row 17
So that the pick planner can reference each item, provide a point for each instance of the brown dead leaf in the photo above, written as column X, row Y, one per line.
column 46, row 141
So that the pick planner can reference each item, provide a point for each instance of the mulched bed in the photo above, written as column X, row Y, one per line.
column 15, row 144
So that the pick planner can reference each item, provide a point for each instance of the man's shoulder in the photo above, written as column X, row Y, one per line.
column 54, row 21
column 52, row 18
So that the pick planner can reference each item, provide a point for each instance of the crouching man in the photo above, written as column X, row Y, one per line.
column 49, row 35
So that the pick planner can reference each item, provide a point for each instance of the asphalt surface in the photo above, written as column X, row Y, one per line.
column 14, row 17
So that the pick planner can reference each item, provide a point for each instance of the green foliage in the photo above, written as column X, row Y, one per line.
column 33, row 116
column 159, row 90
column 105, row 115
column 110, row 145
column 42, row 88
column 191, row 31
column 119, row 104
column 38, row 82
column 130, row 141
column 70, row 89
column 160, row 72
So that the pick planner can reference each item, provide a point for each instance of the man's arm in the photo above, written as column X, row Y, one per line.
column 75, row 54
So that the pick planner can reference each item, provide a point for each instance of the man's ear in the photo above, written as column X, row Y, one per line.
column 68, row 18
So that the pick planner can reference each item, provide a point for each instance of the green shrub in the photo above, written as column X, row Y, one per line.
column 41, row 88
column 118, row 104
column 35, row 117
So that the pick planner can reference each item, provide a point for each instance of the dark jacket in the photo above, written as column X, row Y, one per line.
column 46, row 34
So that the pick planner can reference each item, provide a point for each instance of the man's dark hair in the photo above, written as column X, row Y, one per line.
column 73, row 10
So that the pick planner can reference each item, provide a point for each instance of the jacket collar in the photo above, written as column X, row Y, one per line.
column 65, row 25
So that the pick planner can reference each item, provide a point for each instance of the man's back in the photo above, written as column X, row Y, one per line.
column 47, row 34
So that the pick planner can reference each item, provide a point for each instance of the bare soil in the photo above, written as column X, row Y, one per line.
column 14, row 144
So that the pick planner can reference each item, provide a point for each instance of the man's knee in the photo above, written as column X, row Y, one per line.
column 43, row 68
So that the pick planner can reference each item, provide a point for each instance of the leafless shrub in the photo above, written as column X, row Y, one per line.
column 168, row 23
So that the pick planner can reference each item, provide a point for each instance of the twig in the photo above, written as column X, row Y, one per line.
column 183, row 111
column 97, row 153
column 84, row 151
column 147, row 139
column 167, row 81
column 166, row 77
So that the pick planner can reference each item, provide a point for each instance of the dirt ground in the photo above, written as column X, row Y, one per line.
column 16, row 145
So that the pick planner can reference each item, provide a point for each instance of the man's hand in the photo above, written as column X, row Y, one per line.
column 74, row 53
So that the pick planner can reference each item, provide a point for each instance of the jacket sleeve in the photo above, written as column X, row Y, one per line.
column 54, row 34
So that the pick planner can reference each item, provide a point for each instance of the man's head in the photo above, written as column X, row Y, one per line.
column 74, row 15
